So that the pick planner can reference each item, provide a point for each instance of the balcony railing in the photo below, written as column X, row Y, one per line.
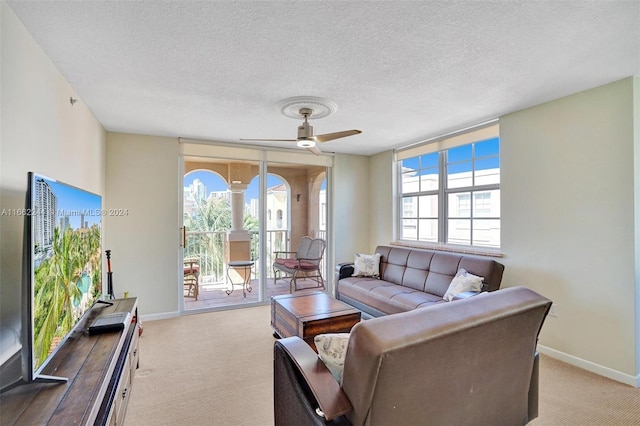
column 210, row 250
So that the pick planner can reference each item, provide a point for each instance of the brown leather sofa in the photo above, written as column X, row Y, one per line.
column 471, row 362
column 410, row 279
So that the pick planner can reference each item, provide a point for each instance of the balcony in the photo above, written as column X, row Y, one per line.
column 210, row 250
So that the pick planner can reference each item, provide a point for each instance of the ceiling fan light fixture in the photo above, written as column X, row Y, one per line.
column 306, row 143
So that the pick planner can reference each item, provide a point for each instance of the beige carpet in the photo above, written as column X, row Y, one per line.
column 572, row 396
column 216, row 369
column 205, row 369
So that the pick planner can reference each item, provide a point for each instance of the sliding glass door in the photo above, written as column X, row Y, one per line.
column 236, row 214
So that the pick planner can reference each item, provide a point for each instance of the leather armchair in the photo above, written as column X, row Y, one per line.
column 472, row 362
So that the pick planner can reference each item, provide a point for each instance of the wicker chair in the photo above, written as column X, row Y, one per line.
column 191, row 277
column 303, row 263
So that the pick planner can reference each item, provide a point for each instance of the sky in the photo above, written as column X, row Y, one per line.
column 459, row 158
column 76, row 201
column 213, row 182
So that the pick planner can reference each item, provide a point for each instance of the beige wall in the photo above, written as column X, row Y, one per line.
column 382, row 200
column 351, row 206
column 143, row 177
column 41, row 132
column 568, row 220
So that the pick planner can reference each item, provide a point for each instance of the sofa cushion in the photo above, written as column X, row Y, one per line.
column 295, row 264
column 417, row 299
column 395, row 262
column 444, row 267
column 384, row 296
column 417, row 270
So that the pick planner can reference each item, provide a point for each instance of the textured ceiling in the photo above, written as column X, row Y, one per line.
column 401, row 72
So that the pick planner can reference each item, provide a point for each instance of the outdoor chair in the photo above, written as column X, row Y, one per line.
column 303, row 263
column 191, row 277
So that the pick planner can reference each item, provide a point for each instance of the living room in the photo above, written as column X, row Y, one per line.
column 570, row 185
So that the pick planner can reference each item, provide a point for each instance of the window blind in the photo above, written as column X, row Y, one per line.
column 463, row 137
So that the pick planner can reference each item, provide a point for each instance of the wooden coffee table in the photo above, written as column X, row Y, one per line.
column 308, row 314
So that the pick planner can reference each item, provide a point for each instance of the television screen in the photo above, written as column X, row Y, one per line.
column 65, row 251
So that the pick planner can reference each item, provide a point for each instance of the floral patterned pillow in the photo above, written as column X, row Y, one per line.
column 332, row 348
column 366, row 265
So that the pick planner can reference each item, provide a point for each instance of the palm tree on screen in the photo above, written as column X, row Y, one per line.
column 56, row 287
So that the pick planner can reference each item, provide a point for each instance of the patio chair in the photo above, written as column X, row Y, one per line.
column 303, row 263
column 191, row 281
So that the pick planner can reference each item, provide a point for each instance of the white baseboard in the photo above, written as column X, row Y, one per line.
column 164, row 315
column 591, row 366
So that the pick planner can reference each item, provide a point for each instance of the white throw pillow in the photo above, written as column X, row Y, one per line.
column 463, row 281
column 332, row 348
column 366, row 265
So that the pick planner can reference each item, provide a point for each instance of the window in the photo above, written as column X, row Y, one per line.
column 451, row 196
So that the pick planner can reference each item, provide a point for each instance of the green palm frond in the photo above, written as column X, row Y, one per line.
column 57, row 285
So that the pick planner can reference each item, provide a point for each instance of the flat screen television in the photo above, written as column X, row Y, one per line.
column 63, row 253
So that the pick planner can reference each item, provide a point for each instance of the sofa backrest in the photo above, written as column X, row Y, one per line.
column 463, row 363
column 432, row 271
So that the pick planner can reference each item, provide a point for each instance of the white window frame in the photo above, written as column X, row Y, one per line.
column 441, row 146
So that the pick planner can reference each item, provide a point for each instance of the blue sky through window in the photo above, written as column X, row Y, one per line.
column 425, row 164
column 214, row 182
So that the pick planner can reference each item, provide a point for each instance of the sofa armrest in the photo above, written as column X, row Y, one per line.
column 331, row 399
column 534, row 388
column 344, row 270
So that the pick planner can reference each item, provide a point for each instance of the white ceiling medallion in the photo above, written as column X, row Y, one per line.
column 321, row 107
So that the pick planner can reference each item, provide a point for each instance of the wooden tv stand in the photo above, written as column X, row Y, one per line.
column 100, row 369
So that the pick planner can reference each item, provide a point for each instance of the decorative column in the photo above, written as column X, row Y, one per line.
column 237, row 206
column 238, row 238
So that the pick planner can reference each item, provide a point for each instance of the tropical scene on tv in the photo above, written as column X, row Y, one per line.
column 66, row 261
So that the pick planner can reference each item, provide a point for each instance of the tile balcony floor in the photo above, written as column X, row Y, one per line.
column 215, row 295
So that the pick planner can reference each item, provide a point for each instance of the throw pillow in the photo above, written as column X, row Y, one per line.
column 332, row 348
column 463, row 281
column 366, row 265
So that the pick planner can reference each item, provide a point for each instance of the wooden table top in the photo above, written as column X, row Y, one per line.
column 313, row 304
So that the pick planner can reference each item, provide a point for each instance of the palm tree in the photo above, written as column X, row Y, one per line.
column 94, row 264
column 55, row 288
column 211, row 216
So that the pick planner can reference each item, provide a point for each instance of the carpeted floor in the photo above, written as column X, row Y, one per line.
column 572, row 396
column 205, row 369
column 216, row 369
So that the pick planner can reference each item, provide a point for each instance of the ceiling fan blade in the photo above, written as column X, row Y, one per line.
column 315, row 150
column 270, row 140
column 337, row 135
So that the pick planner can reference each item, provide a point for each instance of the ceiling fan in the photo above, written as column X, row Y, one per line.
column 306, row 139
